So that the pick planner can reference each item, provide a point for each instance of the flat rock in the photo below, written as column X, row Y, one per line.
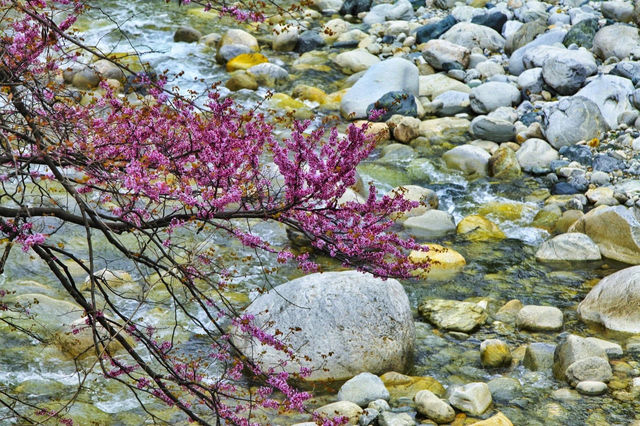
column 539, row 318
column 572, row 246
column 452, row 314
column 472, row 398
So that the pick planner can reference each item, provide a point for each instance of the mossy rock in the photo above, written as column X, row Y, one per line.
column 444, row 262
column 505, row 211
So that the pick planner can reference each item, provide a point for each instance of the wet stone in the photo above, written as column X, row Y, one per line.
column 591, row 388
column 539, row 356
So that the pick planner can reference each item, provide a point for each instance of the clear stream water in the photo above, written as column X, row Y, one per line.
column 497, row 271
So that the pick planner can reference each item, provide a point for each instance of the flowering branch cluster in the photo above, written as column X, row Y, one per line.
column 158, row 170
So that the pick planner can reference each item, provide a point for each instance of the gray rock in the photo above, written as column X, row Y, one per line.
column 492, row 95
column 539, row 318
column 442, row 54
column 536, row 154
column 285, row 38
column 619, row 11
column 571, row 120
column 516, row 64
column 611, row 94
column 269, row 74
column 468, row 159
column 379, row 405
column 473, row 398
column 431, row 224
column 368, row 416
column 591, row 388
column 453, row 315
column 617, row 40
column 388, row 418
column 532, row 11
column 354, row 61
column 341, row 408
column 492, row 129
column 429, row 405
column 592, row 369
column 518, row 34
column 230, row 51
column 450, row 103
column 504, row 389
column 539, row 356
column 573, row 348
column 613, row 350
column 363, row 389
column 473, row 35
column 395, row 74
column 572, row 246
column 400, row 11
column 531, row 80
column 615, row 301
column 372, row 331
column 616, row 231
column 187, row 34
column 567, row 72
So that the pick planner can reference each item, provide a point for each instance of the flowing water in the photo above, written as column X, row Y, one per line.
column 495, row 271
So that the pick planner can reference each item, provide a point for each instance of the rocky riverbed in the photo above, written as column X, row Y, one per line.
column 514, row 122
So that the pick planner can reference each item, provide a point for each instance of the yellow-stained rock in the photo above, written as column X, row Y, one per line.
column 400, row 385
column 444, row 262
column 309, row 93
column 246, row 61
column 504, row 211
column 479, row 228
column 497, row 420
column 282, row 100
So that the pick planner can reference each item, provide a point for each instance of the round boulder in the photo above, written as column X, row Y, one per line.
column 348, row 322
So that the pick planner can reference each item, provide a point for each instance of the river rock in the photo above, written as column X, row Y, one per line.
column 590, row 387
column 573, row 119
column 230, row 51
column 504, row 389
column 492, row 129
column 469, row 159
column 450, row 103
column 472, row 398
column 613, row 350
column 355, row 61
column 539, row 356
column 531, row 80
column 389, row 418
column 536, row 154
column 444, row 55
column 589, row 369
column 363, row 389
column 436, row 84
column 86, row 78
column 619, row 11
column 539, row 318
column 429, row 405
column 516, row 61
column 431, row 224
column 395, row 74
column 571, row 349
column 523, row 35
column 354, row 7
column 616, row 231
column 582, row 33
column 444, row 262
column 495, row 353
column 309, row 40
column 187, row 35
column 615, row 301
column 479, row 228
column 504, row 164
column 285, row 38
column 375, row 333
column 572, row 246
column 238, row 36
column 427, row 198
column 617, row 40
column 241, row 80
column 402, row 10
column 493, row 19
column 395, row 103
column 566, row 73
column 452, row 314
column 269, row 74
column 497, row 420
column 492, row 95
column 108, row 70
column 402, row 386
column 442, row 130
column 341, row 408
column 435, row 29
column 611, row 94
column 473, row 35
